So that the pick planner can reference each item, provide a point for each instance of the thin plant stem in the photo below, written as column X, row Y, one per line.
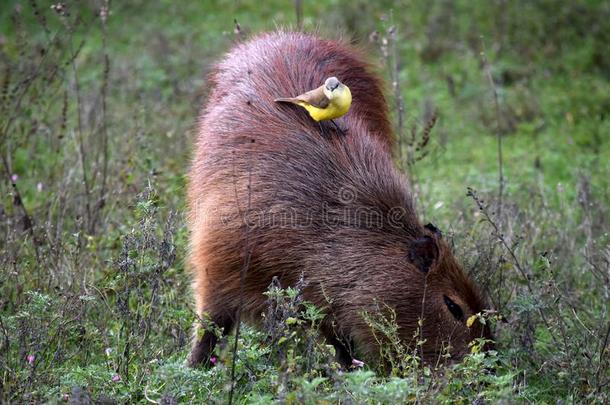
column 242, row 280
column 494, row 89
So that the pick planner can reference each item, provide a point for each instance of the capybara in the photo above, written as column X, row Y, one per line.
column 273, row 193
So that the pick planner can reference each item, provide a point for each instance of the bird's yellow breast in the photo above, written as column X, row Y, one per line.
column 336, row 108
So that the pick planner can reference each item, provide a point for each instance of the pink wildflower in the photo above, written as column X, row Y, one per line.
column 31, row 358
column 357, row 363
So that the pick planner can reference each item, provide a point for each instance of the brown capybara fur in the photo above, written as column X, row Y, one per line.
column 273, row 193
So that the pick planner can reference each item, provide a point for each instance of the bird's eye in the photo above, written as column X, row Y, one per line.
column 454, row 308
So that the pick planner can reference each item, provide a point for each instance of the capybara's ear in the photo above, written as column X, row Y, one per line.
column 432, row 228
column 423, row 252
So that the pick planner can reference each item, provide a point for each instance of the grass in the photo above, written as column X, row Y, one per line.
column 98, row 105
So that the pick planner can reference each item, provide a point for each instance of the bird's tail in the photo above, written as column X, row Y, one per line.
column 286, row 100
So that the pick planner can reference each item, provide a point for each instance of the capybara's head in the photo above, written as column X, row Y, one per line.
column 441, row 299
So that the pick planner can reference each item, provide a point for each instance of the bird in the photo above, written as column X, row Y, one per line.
column 329, row 101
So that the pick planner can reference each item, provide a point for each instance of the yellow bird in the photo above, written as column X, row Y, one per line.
column 329, row 101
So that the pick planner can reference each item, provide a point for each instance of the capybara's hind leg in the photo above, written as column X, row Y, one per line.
column 343, row 346
column 205, row 338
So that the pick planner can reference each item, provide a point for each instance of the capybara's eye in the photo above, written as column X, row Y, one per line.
column 454, row 308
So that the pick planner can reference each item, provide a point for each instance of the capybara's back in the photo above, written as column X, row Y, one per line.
column 273, row 193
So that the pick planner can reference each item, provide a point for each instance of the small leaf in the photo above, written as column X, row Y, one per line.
column 471, row 320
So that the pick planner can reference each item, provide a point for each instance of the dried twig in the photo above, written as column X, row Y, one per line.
column 298, row 8
column 487, row 67
column 242, row 279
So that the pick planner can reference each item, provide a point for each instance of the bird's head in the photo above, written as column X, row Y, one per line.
column 333, row 88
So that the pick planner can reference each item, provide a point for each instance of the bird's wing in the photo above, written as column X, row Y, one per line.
column 315, row 97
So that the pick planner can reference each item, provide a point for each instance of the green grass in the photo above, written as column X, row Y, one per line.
column 94, row 297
